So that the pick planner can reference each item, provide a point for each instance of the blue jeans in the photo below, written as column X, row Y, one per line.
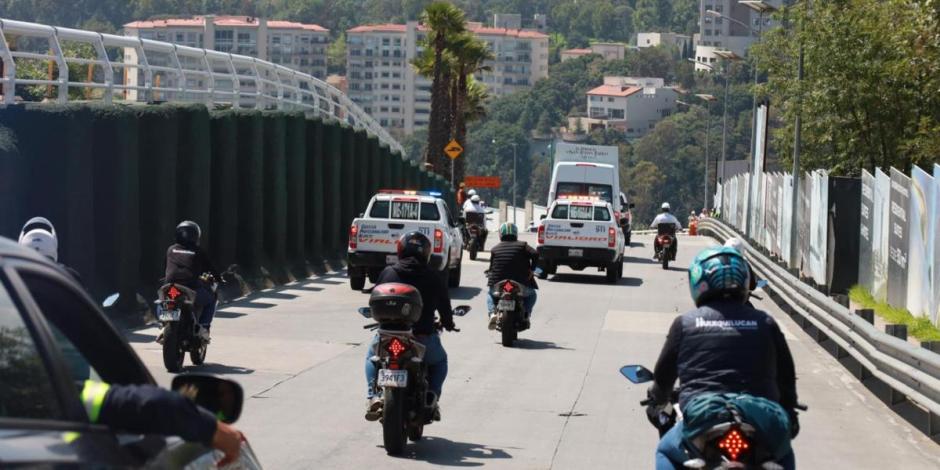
column 435, row 357
column 528, row 302
column 205, row 300
column 670, row 454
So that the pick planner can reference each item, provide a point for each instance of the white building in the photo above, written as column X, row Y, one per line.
column 679, row 41
column 607, row 50
column 631, row 104
column 735, row 34
column 298, row 46
column 383, row 82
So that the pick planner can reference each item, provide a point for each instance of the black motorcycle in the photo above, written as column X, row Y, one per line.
column 510, row 310
column 731, row 443
column 402, row 379
column 666, row 244
column 475, row 236
column 177, row 314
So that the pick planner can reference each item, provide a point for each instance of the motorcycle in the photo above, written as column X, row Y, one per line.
column 666, row 244
column 402, row 381
column 729, row 444
column 179, row 318
column 475, row 237
column 510, row 310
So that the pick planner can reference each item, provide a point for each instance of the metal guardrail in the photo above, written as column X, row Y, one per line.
column 908, row 370
column 158, row 71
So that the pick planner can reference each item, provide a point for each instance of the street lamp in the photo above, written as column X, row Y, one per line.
column 727, row 57
column 513, row 180
column 709, row 99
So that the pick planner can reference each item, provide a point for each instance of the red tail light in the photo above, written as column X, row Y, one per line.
column 733, row 444
column 611, row 237
column 353, row 236
column 541, row 234
column 173, row 292
column 508, row 287
column 396, row 347
column 438, row 240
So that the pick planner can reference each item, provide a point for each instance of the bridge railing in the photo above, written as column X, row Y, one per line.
column 133, row 69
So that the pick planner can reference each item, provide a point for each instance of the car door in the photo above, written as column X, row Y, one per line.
column 90, row 348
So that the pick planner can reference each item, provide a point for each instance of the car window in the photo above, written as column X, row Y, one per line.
column 379, row 210
column 429, row 211
column 578, row 212
column 601, row 214
column 25, row 385
column 601, row 191
column 560, row 211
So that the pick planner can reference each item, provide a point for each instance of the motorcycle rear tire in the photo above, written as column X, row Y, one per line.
column 172, row 350
column 665, row 258
column 508, row 331
column 394, row 427
column 198, row 355
column 473, row 251
column 415, row 433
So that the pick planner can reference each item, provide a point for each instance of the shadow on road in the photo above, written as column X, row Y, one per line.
column 636, row 244
column 464, row 293
column 444, row 452
column 630, row 281
column 535, row 344
column 230, row 314
column 213, row 368
column 638, row 260
column 482, row 259
column 135, row 337
column 598, row 278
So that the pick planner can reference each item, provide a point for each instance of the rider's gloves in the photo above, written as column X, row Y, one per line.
column 794, row 424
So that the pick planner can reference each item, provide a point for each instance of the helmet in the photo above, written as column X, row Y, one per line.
column 472, row 192
column 736, row 243
column 474, row 198
column 188, row 233
column 39, row 234
column 666, row 207
column 717, row 273
column 414, row 245
column 508, row 232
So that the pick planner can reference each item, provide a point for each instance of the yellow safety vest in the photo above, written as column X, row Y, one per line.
column 93, row 395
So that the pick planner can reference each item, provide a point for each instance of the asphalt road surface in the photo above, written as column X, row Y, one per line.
column 554, row 401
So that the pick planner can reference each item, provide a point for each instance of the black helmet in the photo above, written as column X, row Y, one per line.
column 188, row 233
column 414, row 245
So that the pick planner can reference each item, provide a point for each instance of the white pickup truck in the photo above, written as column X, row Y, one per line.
column 373, row 236
column 578, row 233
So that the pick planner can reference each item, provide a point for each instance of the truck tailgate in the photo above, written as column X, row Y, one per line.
column 381, row 235
column 576, row 233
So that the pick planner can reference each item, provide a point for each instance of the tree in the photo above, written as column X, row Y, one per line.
column 470, row 54
column 652, row 15
column 336, row 56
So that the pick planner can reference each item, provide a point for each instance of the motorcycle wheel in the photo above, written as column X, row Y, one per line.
column 508, row 330
column 394, row 428
column 665, row 259
column 198, row 355
column 473, row 250
column 172, row 351
column 415, row 433
column 357, row 282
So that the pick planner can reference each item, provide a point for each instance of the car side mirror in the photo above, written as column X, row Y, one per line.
column 543, row 216
column 362, row 214
column 365, row 311
column 461, row 310
column 221, row 397
column 636, row 374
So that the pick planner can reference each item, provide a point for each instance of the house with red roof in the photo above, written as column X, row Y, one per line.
column 631, row 104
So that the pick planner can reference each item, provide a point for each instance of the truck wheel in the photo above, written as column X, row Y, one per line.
column 627, row 240
column 612, row 273
column 453, row 280
column 357, row 282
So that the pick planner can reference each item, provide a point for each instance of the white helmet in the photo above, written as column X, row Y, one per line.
column 472, row 192
column 39, row 234
column 736, row 243
column 666, row 206
column 475, row 198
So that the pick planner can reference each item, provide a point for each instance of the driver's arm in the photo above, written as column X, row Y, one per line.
column 667, row 369
column 148, row 409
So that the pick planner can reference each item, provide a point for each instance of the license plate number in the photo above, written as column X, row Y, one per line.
column 576, row 252
column 169, row 315
column 393, row 378
column 507, row 305
column 391, row 259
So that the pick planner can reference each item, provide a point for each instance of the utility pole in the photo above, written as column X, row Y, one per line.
column 514, row 183
column 797, row 143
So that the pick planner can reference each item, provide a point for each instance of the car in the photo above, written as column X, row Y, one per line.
column 373, row 236
column 53, row 337
column 581, row 232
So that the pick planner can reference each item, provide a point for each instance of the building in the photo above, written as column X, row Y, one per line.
column 298, row 46
column 679, row 41
column 631, row 104
column 383, row 82
column 507, row 20
column 608, row 50
column 735, row 34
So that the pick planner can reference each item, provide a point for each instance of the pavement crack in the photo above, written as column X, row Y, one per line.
column 294, row 376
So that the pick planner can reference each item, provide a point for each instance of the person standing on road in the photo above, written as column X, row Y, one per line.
column 461, row 195
column 414, row 254
column 186, row 262
column 514, row 260
column 723, row 346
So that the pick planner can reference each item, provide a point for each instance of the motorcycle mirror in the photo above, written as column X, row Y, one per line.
column 462, row 310
column 538, row 271
column 365, row 311
column 636, row 374
column 762, row 283
column 222, row 397
column 111, row 300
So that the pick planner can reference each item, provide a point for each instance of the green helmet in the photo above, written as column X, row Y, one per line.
column 719, row 273
column 508, row 231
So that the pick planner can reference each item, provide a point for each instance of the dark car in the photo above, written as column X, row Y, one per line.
column 53, row 337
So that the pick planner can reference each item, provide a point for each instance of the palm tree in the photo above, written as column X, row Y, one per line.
column 445, row 22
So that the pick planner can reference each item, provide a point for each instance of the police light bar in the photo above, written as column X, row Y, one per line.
column 410, row 192
column 578, row 197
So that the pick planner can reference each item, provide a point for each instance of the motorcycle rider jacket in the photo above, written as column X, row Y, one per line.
column 513, row 260
column 184, row 265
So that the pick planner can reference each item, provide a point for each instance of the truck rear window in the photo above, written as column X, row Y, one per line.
column 577, row 212
column 404, row 210
column 602, row 191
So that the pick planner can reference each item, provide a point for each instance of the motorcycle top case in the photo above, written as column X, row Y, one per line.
column 395, row 303
column 769, row 419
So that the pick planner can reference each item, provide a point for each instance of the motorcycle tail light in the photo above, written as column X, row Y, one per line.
column 733, row 444
column 353, row 236
column 541, row 234
column 396, row 347
column 438, row 240
column 172, row 292
column 508, row 287
column 611, row 237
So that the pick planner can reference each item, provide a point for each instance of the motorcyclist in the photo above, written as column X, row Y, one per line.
column 148, row 409
column 665, row 217
column 186, row 262
column 414, row 254
column 515, row 260
column 39, row 234
column 723, row 346
column 475, row 213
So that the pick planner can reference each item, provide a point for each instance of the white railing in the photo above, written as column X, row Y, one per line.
column 132, row 69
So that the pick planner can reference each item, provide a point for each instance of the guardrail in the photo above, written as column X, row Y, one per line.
column 143, row 70
column 910, row 372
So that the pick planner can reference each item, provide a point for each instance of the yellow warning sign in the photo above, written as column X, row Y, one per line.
column 453, row 149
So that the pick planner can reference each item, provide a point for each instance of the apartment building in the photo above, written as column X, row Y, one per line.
column 383, row 82
column 298, row 46
column 607, row 50
column 631, row 104
column 679, row 41
column 734, row 30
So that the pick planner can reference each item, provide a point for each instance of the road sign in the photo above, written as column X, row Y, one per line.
column 482, row 181
column 453, row 149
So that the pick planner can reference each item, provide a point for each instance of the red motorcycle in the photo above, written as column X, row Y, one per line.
column 666, row 244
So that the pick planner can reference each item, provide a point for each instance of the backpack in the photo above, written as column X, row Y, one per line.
column 771, row 422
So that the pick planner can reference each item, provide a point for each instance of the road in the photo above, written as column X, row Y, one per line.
column 555, row 401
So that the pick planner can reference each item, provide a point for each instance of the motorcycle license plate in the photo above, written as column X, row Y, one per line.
column 576, row 252
column 169, row 315
column 391, row 259
column 393, row 378
column 507, row 305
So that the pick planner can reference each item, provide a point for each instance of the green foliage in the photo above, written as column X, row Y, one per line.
column 336, row 55
column 918, row 327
